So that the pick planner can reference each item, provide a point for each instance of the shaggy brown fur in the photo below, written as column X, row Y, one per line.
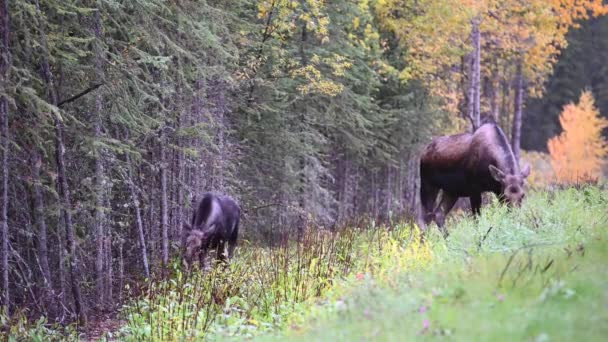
column 466, row 165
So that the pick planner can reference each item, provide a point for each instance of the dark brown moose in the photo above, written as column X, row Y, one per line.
column 467, row 165
column 215, row 221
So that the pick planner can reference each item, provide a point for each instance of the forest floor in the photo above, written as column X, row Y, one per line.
column 104, row 327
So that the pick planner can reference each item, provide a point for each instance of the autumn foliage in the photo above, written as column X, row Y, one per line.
column 578, row 153
column 541, row 171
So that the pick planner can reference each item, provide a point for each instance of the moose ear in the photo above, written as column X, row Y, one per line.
column 525, row 172
column 496, row 173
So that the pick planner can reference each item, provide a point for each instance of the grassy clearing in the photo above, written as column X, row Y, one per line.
column 538, row 274
column 535, row 273
column 544, row 294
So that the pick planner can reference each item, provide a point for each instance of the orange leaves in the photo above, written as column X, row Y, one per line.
column 578, row 153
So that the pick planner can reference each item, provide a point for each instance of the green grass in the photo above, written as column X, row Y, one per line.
column 540, row 274
column 544, row 293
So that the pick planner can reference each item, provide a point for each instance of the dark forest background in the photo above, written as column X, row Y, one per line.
column 582, row 65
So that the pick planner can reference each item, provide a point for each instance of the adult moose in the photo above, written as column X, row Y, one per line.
column 467, row 165
column 214, row 222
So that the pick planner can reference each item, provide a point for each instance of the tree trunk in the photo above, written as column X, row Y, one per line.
column 344, row 199
column 217, row 98
column 303, row 177
column 121, row 271
column 400, row 192
column 505, row 104
column 62, row 182
column 138, row 220
column 163, row 200
column 73, row 262
column 517, row 117
column 40, row 219
column 413, row 184
column 108, row 266
column 4, row 66
column 476, row 74
column 495, row 93
column 355, row 190
column 99, row 169
column 180, row 184
column 62, row 258
column 389, row 194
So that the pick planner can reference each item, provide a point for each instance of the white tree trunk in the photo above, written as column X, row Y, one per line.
column 163, row 200
column 138, row 219
column 100, row 235
column 40, row 219
column 4, row 66
column 476, row 73
column 517, row 117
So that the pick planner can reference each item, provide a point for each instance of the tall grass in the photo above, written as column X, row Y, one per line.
column 262, row 288
column 531, row 273
column 546, row 218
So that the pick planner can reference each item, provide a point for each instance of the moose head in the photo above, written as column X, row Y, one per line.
column 193, row 241
column 512, row 185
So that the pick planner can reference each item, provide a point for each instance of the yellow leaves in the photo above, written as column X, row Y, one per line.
column 364, row 33
column 264, row 8
column 290, row 16
column 579, row 152
column 339, row 64
column 435, row 36
column 370, row 33
column 356, row 22
column 405, row 74
column 316, row 83
column 323, row 24
column 364, row 5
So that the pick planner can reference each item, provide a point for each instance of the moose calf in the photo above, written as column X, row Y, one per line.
column 214, row 222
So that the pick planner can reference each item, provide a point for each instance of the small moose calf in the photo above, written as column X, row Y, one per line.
column 214, row 222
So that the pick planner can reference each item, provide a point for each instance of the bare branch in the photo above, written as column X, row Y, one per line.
column 79, row 95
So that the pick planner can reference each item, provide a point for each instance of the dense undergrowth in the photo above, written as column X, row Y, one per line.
column 266, row 289
column 386, row 282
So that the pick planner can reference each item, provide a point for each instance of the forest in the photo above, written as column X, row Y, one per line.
column 116, row 116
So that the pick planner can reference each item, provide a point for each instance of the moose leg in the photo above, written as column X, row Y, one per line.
column 202, row 255
column 476, row 204
column 219, row 253
column 428, row 196
column 232, row 240
column 447, row 203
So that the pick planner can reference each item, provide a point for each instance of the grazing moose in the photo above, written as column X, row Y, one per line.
column 466, row 165
column 214, row 222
